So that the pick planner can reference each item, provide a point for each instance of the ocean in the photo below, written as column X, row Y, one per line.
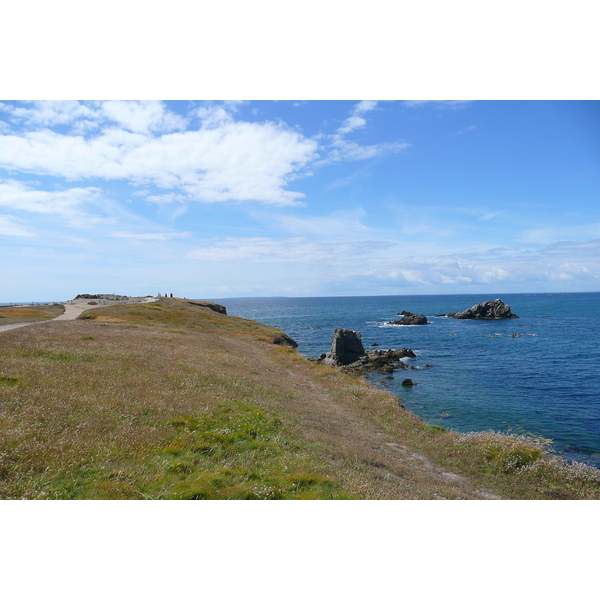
column 471, row 375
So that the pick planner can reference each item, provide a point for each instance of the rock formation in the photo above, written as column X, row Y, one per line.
column 219, row 308
column 410, row 319
column 114, row 297
column 492, row 309
column 348, row 354
column 285, row 340
column 346, row 348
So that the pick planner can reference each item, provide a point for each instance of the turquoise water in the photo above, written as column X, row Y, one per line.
column 545, row 382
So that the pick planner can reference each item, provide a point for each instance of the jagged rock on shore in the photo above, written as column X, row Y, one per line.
column 285, row 340
column 219, row 308
column 346, row 348
column 348, row 354
column 492, row 309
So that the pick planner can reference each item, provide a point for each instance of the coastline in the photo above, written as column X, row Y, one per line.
column 160, row 379
column 481, row 377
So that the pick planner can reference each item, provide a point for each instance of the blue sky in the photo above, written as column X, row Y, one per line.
column 298, row 198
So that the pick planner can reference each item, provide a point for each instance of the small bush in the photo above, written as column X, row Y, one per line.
column 505, row 453
column 86, row 316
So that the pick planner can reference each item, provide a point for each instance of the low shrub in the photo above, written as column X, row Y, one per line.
column 86, row 316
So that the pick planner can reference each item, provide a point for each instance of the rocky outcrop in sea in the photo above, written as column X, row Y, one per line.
column 409, row 318
column 492, row 309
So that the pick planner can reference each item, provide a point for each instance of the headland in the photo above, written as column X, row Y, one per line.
column 172, row 398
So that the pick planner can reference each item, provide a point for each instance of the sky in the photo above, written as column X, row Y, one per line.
column 217, row 199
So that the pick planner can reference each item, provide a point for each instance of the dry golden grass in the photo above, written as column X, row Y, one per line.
column 30, row 314
column 194, row 404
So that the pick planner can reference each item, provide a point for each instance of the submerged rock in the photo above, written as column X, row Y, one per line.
column 492, row 309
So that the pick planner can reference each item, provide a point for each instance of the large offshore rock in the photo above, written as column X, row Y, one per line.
column 492, row 309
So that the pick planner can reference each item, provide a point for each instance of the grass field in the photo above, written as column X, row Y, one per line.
column 170, row 400
column 31, row 314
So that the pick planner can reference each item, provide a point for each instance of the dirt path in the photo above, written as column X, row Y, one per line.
column 15, row 325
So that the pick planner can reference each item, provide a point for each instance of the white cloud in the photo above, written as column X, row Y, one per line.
column 142, row 116
column 213, row 116
column 344, row 149
column 351, row 123
column 144, row 143
column 338, row 224
column 347, row 150
column 236, row 161
column 297, row 249
column 50, row 112
column 469, row 128
column 364, row 106
column 444, row 104
column 138, row 116
column 16, row 195
column 12, row 227
column 355, row 121
column 147, row 237
column 162, row 198
column 550, row 235
column 490, row 216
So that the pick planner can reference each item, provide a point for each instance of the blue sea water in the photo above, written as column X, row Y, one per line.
column 544, row 382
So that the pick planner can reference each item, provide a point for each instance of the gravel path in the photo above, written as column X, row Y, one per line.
column 15, row 325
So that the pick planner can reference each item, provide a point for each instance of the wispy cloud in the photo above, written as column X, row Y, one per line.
column 297, row 249
column 343, row 149
column 11, row 226
column 490, row 216
column 342, row 222
column 469, row 128
column 67, row 204
column 150, row 237
column 569, row 233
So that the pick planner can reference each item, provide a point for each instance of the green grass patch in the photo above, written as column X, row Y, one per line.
column 239, row 451
column 431, row 428
column 6, row 381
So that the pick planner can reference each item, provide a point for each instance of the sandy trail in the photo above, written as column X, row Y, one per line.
column 15, row 325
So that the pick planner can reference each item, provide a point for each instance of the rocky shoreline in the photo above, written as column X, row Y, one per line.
column 348, row 354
